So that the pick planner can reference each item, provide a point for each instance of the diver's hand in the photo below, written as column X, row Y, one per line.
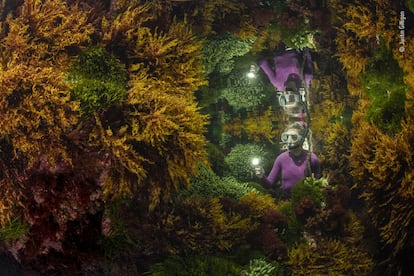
column 259, row 172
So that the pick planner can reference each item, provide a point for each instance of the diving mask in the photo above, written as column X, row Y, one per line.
column 288, row 98
column 290, row 137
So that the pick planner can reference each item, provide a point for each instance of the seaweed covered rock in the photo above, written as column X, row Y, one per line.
column 329, row 257
column 383, row 83
column 36, row 105
column 143, row 138
column 387, row 164
column 156, row 141
column 35, row 101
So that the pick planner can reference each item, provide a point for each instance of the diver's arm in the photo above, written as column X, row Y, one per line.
column 271, row 75
column 273, row 175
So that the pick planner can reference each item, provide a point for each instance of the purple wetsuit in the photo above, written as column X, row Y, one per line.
column 291, row 169
column 288, row 68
